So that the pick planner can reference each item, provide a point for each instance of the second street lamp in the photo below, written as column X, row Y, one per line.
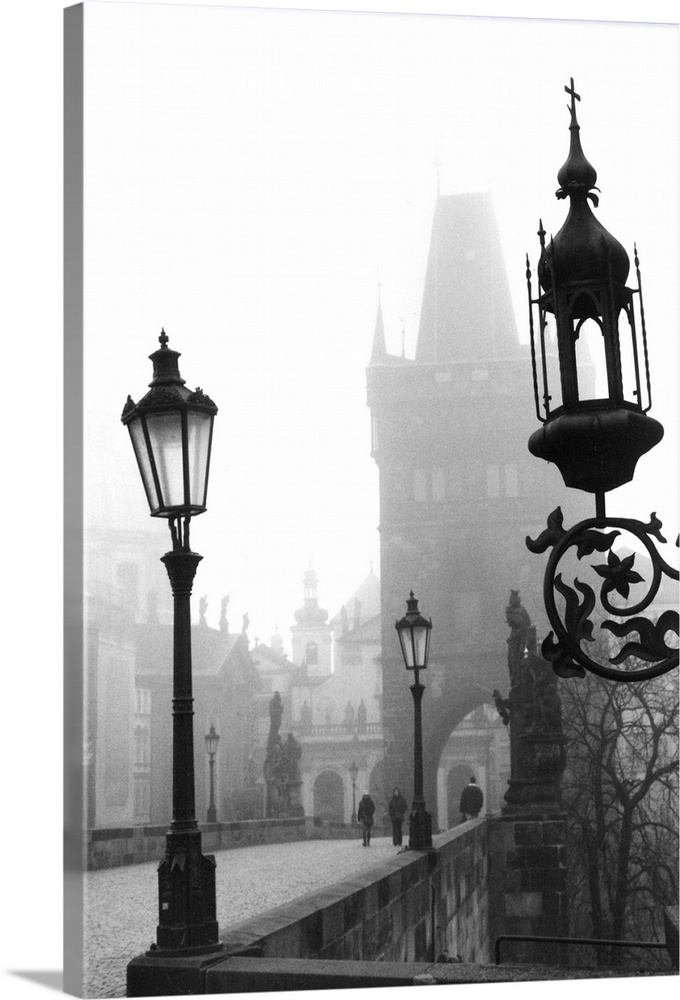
column 354, row 773
column 211, row 741
column 414, row 636
column 171, row 433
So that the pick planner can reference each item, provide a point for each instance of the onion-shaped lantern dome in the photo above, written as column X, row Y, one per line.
column 595, row 441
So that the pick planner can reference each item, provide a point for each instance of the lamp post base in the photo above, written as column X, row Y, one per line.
column 420, row 830
column 187, row 918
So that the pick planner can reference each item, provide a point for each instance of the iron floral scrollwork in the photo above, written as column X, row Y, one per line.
column 619, row 580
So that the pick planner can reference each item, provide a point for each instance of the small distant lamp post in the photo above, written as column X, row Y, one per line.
column 211, row 741
column 353, row 773
column 414, row 636
column 171, row 432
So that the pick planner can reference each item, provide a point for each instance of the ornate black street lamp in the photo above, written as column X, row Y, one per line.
column 353, row 774
column 414, row 636
column 211, row 741
column 595, row 441
column 171, row 432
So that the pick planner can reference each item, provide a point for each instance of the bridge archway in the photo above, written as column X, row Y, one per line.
column 440, row 718
column 464, row 714
column 329, row 797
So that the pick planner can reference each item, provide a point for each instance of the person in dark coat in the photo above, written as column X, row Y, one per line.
column 471, row 801
column 365, row 816
column 397, row 810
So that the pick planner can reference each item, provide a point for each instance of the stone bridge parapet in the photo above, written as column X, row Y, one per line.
column 412, row 908
column 111, row 847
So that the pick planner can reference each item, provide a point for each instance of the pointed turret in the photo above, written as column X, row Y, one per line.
column 379, row 350
column 467, row 310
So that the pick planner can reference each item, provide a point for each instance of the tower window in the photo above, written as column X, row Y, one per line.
column 143, row 701
column 493, row 481
column 438, row 484
column 511, row 480
column 420, row 485
column 127, row 579
column 374, row 435
column 311, row 654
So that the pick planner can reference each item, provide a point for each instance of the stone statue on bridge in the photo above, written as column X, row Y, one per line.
column 533, row 713
column 281, row 767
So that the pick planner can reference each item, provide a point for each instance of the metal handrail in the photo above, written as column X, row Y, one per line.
column 571, row 940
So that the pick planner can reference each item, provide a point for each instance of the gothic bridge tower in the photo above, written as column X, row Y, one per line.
column 459, row 491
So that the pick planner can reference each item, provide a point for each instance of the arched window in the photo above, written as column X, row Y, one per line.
column 329, row 797
column 311, row 654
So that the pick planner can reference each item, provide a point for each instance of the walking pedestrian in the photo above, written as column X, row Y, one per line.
column 471, row 801
column 365, row 816
column 397, row 810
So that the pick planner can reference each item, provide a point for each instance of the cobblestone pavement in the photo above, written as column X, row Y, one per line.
column 121, row 904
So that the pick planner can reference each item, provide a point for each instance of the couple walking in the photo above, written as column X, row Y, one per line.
column 397, row 810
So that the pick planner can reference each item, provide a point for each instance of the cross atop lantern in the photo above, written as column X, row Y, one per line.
column 595, row 441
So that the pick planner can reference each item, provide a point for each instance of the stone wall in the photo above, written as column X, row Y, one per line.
column 528, row 883
column 113, row 846
column 410, row 909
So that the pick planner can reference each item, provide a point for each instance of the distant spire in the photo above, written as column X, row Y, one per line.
column 466, row 312
column 379, row 351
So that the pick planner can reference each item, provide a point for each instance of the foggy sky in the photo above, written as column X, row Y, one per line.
column 251, row 176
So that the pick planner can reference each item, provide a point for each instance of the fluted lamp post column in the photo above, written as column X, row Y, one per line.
column 211, row 741
column 354, row 773
column 171, row 433
column 414, row 637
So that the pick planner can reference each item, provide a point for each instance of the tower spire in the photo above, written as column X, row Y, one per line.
column 379, row 351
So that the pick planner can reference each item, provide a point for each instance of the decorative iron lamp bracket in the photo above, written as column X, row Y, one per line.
column 595, row 442
column 574, row 623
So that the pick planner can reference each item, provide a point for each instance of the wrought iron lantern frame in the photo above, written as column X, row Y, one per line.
column 596, row 443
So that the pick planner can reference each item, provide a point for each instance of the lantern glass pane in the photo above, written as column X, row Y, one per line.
column 142, row 455
column 420, row 637
column 165, row 431
column 404, row 634
column 198, row 437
